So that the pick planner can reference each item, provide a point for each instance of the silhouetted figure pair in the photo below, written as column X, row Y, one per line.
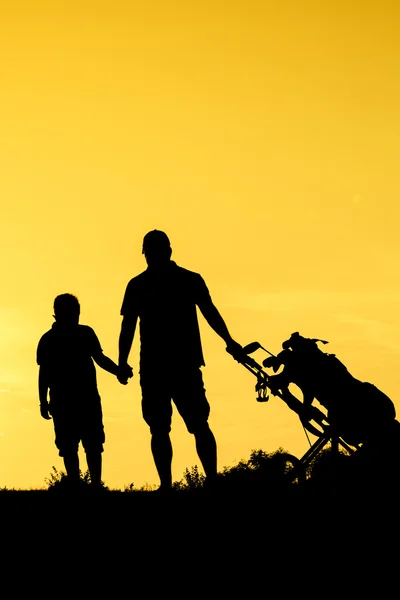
column 67, row 374
column 164, row 299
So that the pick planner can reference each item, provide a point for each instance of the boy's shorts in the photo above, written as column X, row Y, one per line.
column 74, row 423
column 184, row 387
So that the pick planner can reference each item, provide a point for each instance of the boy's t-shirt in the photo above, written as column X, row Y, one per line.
column 67, row 356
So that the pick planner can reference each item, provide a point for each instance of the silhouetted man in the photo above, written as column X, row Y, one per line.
column 164, row 298
column 65, row 357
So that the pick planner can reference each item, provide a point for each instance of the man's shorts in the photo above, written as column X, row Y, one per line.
column 185, row 387
column 78, row 422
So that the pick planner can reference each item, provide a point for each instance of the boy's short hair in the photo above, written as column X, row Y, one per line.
column 65, row 304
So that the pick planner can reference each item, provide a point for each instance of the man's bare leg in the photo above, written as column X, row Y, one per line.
column 94, row 462
column 206, row 447
column 161, row 448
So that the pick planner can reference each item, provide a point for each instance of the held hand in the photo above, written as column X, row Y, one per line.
column 44, row 411
column 124, row 373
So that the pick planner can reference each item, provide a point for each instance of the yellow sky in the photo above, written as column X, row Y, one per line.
column 262, row 137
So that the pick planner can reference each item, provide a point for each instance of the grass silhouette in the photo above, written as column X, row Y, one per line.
column 262, row 472
column 251, row 499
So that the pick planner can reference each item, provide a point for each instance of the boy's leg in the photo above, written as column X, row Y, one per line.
column 67, row 442
column 93, row 438
column 71, row 462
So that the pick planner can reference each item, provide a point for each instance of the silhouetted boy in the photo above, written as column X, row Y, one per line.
column 65, row 357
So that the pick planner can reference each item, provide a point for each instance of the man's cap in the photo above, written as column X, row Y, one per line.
column 155, row 239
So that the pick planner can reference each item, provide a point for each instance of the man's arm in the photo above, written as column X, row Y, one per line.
column 216, row 322
column 128, row 327
column 43, row 389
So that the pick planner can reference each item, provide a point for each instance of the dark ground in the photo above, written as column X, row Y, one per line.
column 197, row 543
column 328, row 537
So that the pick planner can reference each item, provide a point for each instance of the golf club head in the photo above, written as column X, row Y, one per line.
column 271, row 361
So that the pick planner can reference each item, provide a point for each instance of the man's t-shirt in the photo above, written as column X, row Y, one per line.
column 165, row 302
column 67, row 356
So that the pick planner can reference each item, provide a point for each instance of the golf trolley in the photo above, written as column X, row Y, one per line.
column 312, row 419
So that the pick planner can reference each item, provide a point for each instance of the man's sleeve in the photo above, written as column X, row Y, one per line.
column 129, row 303
column 202, row 295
